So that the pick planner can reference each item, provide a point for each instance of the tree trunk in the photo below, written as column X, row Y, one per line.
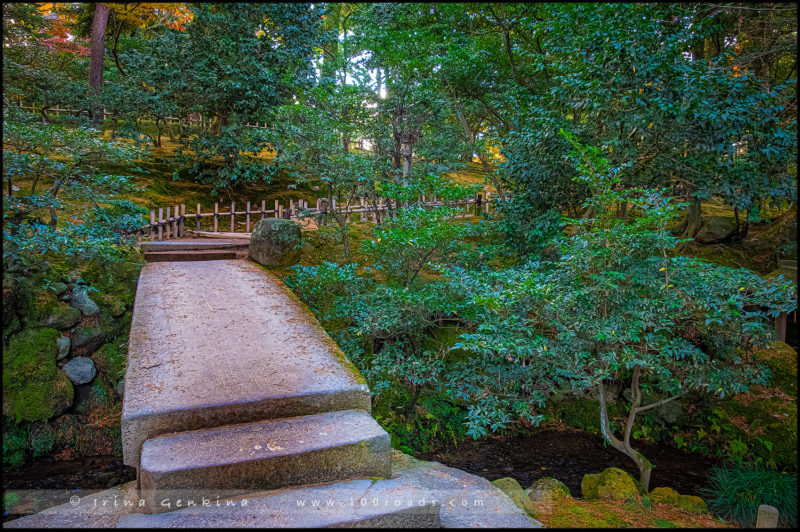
column 99, row 23
column 693, row 217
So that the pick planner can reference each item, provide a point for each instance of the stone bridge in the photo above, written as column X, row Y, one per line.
column 240, row 411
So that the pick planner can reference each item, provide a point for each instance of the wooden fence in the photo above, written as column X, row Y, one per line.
column 172, row 222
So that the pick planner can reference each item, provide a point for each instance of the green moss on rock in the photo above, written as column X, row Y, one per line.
column 34, row 388
column 546, row 489
column 613, row 483
column 111, row 361
column 664, row 496
column 511, row 487
column 62, row 317
column 692, row 504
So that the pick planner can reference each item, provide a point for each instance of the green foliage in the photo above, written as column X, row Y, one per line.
column 78, row 217
column 15, row 443
column 613, row 304
column 736, row 491
column 403, row 246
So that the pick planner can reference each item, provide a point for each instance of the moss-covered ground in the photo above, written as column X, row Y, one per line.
column 565, row 512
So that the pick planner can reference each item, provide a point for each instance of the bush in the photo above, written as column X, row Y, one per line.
column 736, row 492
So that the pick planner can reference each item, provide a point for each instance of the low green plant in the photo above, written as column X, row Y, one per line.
column 736, row 491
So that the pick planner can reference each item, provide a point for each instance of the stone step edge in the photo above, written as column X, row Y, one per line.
column 269, row 454
column 178, row 256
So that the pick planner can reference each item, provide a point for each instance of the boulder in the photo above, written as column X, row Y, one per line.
column 664, row 496
column 546, row 489
column 692, row 504
column 63, row 346
column 86, row 339
column 33, row 387
column 120, row 388
column 275, row 242
column 63, row 317
column 110, row 362
column 716, row 229
column 80, row 370
column 59, row 288
column 511, row 487
column 81, row 301
column 613, row 483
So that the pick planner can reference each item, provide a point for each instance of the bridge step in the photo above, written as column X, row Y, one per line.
column 182, row 256
column 222, row 342
column 191, row 245
column 265, row 455
column 788, row 264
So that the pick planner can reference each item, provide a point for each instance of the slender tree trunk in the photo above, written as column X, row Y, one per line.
column 99, row 23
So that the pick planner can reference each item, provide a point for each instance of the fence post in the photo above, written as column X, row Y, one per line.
column 182, row 223
column 488, row 198
column 160, row 222
column 248, row 217
column 168, row 223
column 216, row 216
column 233, row 214
column 176, row 223
column 291, row 209
column 279, row 209
column 263, row 208
column 767, row 517
column 197, row 221
column 152, row 225
column 780, row 326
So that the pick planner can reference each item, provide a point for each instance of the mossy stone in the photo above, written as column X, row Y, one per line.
column 275, row 242
column 613, row 483
column 546, row 489
column 110, row 304
column 40, row 304
column 87, row 339
column 511, row 487
column 664, row 496
column 63, row 317
column 34, row 389
column 110, row 361
column 692, row 504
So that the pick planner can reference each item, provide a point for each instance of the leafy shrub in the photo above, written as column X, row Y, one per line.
column 15, row 439
column 736, row 492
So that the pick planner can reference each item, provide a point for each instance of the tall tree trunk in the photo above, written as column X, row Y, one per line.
column 99, row 23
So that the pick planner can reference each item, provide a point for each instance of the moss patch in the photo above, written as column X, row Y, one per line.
column 33, row 387
column 62, row 316
column 692, row 504
column 111, row 360
column 613, row 483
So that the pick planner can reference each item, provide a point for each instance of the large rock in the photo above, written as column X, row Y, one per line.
column 33, row 387
column 692, row 504
column 716, row 229
column 275, row 242
column 81, row 301
column 664, row 496
column 80, row 370
column 613, row 483
column 63, row 346
column 87, row 339
column 511, row 487
column 63, row 317
column 111, row 362
column 546, row 489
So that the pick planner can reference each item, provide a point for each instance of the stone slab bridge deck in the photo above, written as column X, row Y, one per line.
column 240, row 411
